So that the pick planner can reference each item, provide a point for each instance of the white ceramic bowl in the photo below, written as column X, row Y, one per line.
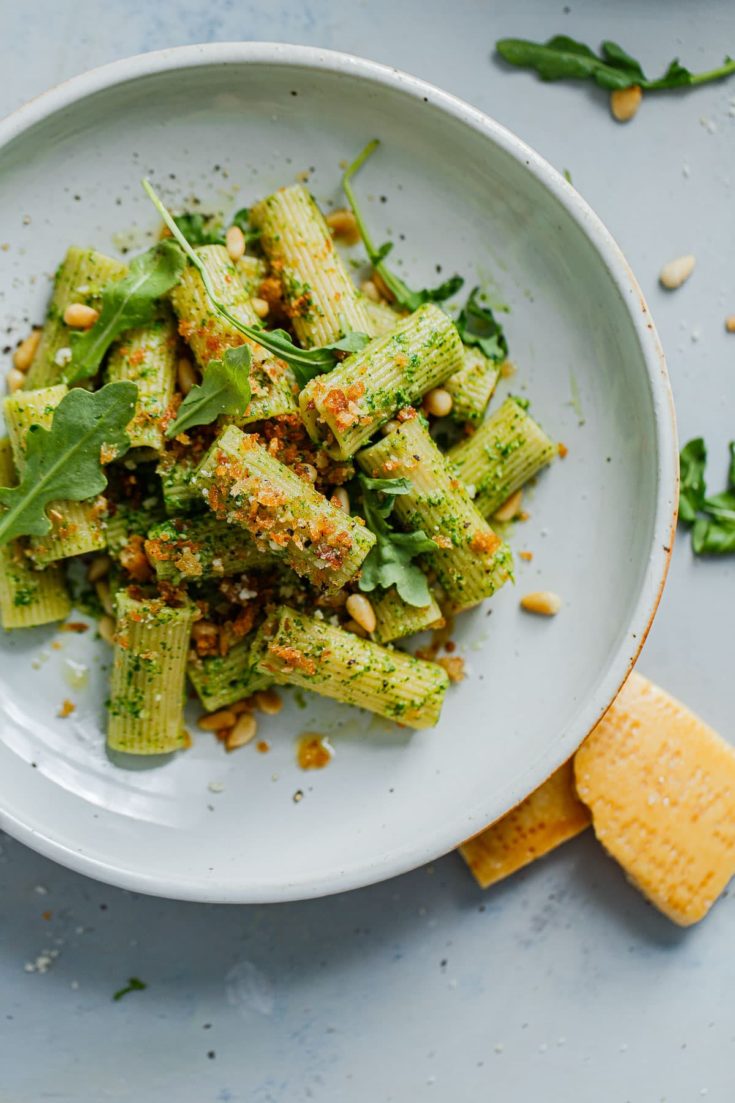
column 469, row 195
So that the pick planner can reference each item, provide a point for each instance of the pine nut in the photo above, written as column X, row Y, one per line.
column 235, row 243
column 26, row 350
column 245, row 729
column 268, row 701
column 102, row 589
column 438, row 402
column 355, row 628
column 98, row 568
column 260, row 306
column 80, row 316
column 370, row 291
column 389, row 427
column 382, row 288
column 730, row 323
column 341, row 499
column 213, row 721
column 343, row 224
column 510, row 507
column 243, row 705
column 186, row 375
column 624, row 102
column 543, row 602
column 14, row 380
column 106, row 629
column 308, row 471
column 361, row 611
column 675, row 273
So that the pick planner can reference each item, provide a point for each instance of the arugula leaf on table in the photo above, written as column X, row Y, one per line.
column 225, row 389
column 400, row 291
column 135, row 984
column 389, row 561
column 692, row 464
column 562, row 58
column 64, row 463
column 713, row 518
column 478, row 327
column 306, row 363
column 131, row 301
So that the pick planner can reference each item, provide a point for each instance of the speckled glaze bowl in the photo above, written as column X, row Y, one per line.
column 228, row 123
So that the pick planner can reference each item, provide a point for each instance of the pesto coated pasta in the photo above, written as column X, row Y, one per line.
column 257, row 470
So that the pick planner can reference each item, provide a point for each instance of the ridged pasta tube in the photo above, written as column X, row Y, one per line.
column 383, row 318
column 147, row 357
column 223, row 679
column 320, row 296
column 210, row 336
column 200, row 548
column 146, row 707
column 79, row 279
column 296, row 649
column 27, row 597
column 76, row 527
column 470, row 561
column 472, row 386
column 350, row 403
column 505, row 452
column 180, row 495
column 396, row 618
column 246, row 486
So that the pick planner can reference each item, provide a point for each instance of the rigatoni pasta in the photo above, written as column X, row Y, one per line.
column 296, row 649
column 347, row 406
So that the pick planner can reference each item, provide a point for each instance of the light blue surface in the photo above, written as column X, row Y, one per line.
column 562, row 983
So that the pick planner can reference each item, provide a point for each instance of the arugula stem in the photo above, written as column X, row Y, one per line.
column 355, row 167
column 725, row 70
column 284, row 350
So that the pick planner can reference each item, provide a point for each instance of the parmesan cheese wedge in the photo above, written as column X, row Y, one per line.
column 544, row 820
column 660, row 785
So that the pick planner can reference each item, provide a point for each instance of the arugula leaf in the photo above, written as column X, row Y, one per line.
column 134, row 985
column 308, row 362
column 389, row 561
column 128, row 302
column 400, row 291
column 692, row 463
column 200, row 229
column 351, row 342
column 206, row 229
column 63, row 463
column 477, row 326
column 713, row 517
column 562, row 58
column 225, row 389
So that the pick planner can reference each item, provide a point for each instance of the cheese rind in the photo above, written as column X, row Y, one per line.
column 660, row 785
column 544, row 820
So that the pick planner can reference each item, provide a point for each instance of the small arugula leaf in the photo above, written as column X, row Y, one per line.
column 351, row 342
column 134, row 985
column 389, row 561
column 562, row 58
column 400, row 291
column 225, row 389
column 713, row 517
column 128, row 302
column 200, row 229
column 64, row 463
column 478, row 327
column 305, row 362
column 692, row 464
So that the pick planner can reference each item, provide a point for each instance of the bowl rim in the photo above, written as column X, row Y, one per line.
column 392, row 863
